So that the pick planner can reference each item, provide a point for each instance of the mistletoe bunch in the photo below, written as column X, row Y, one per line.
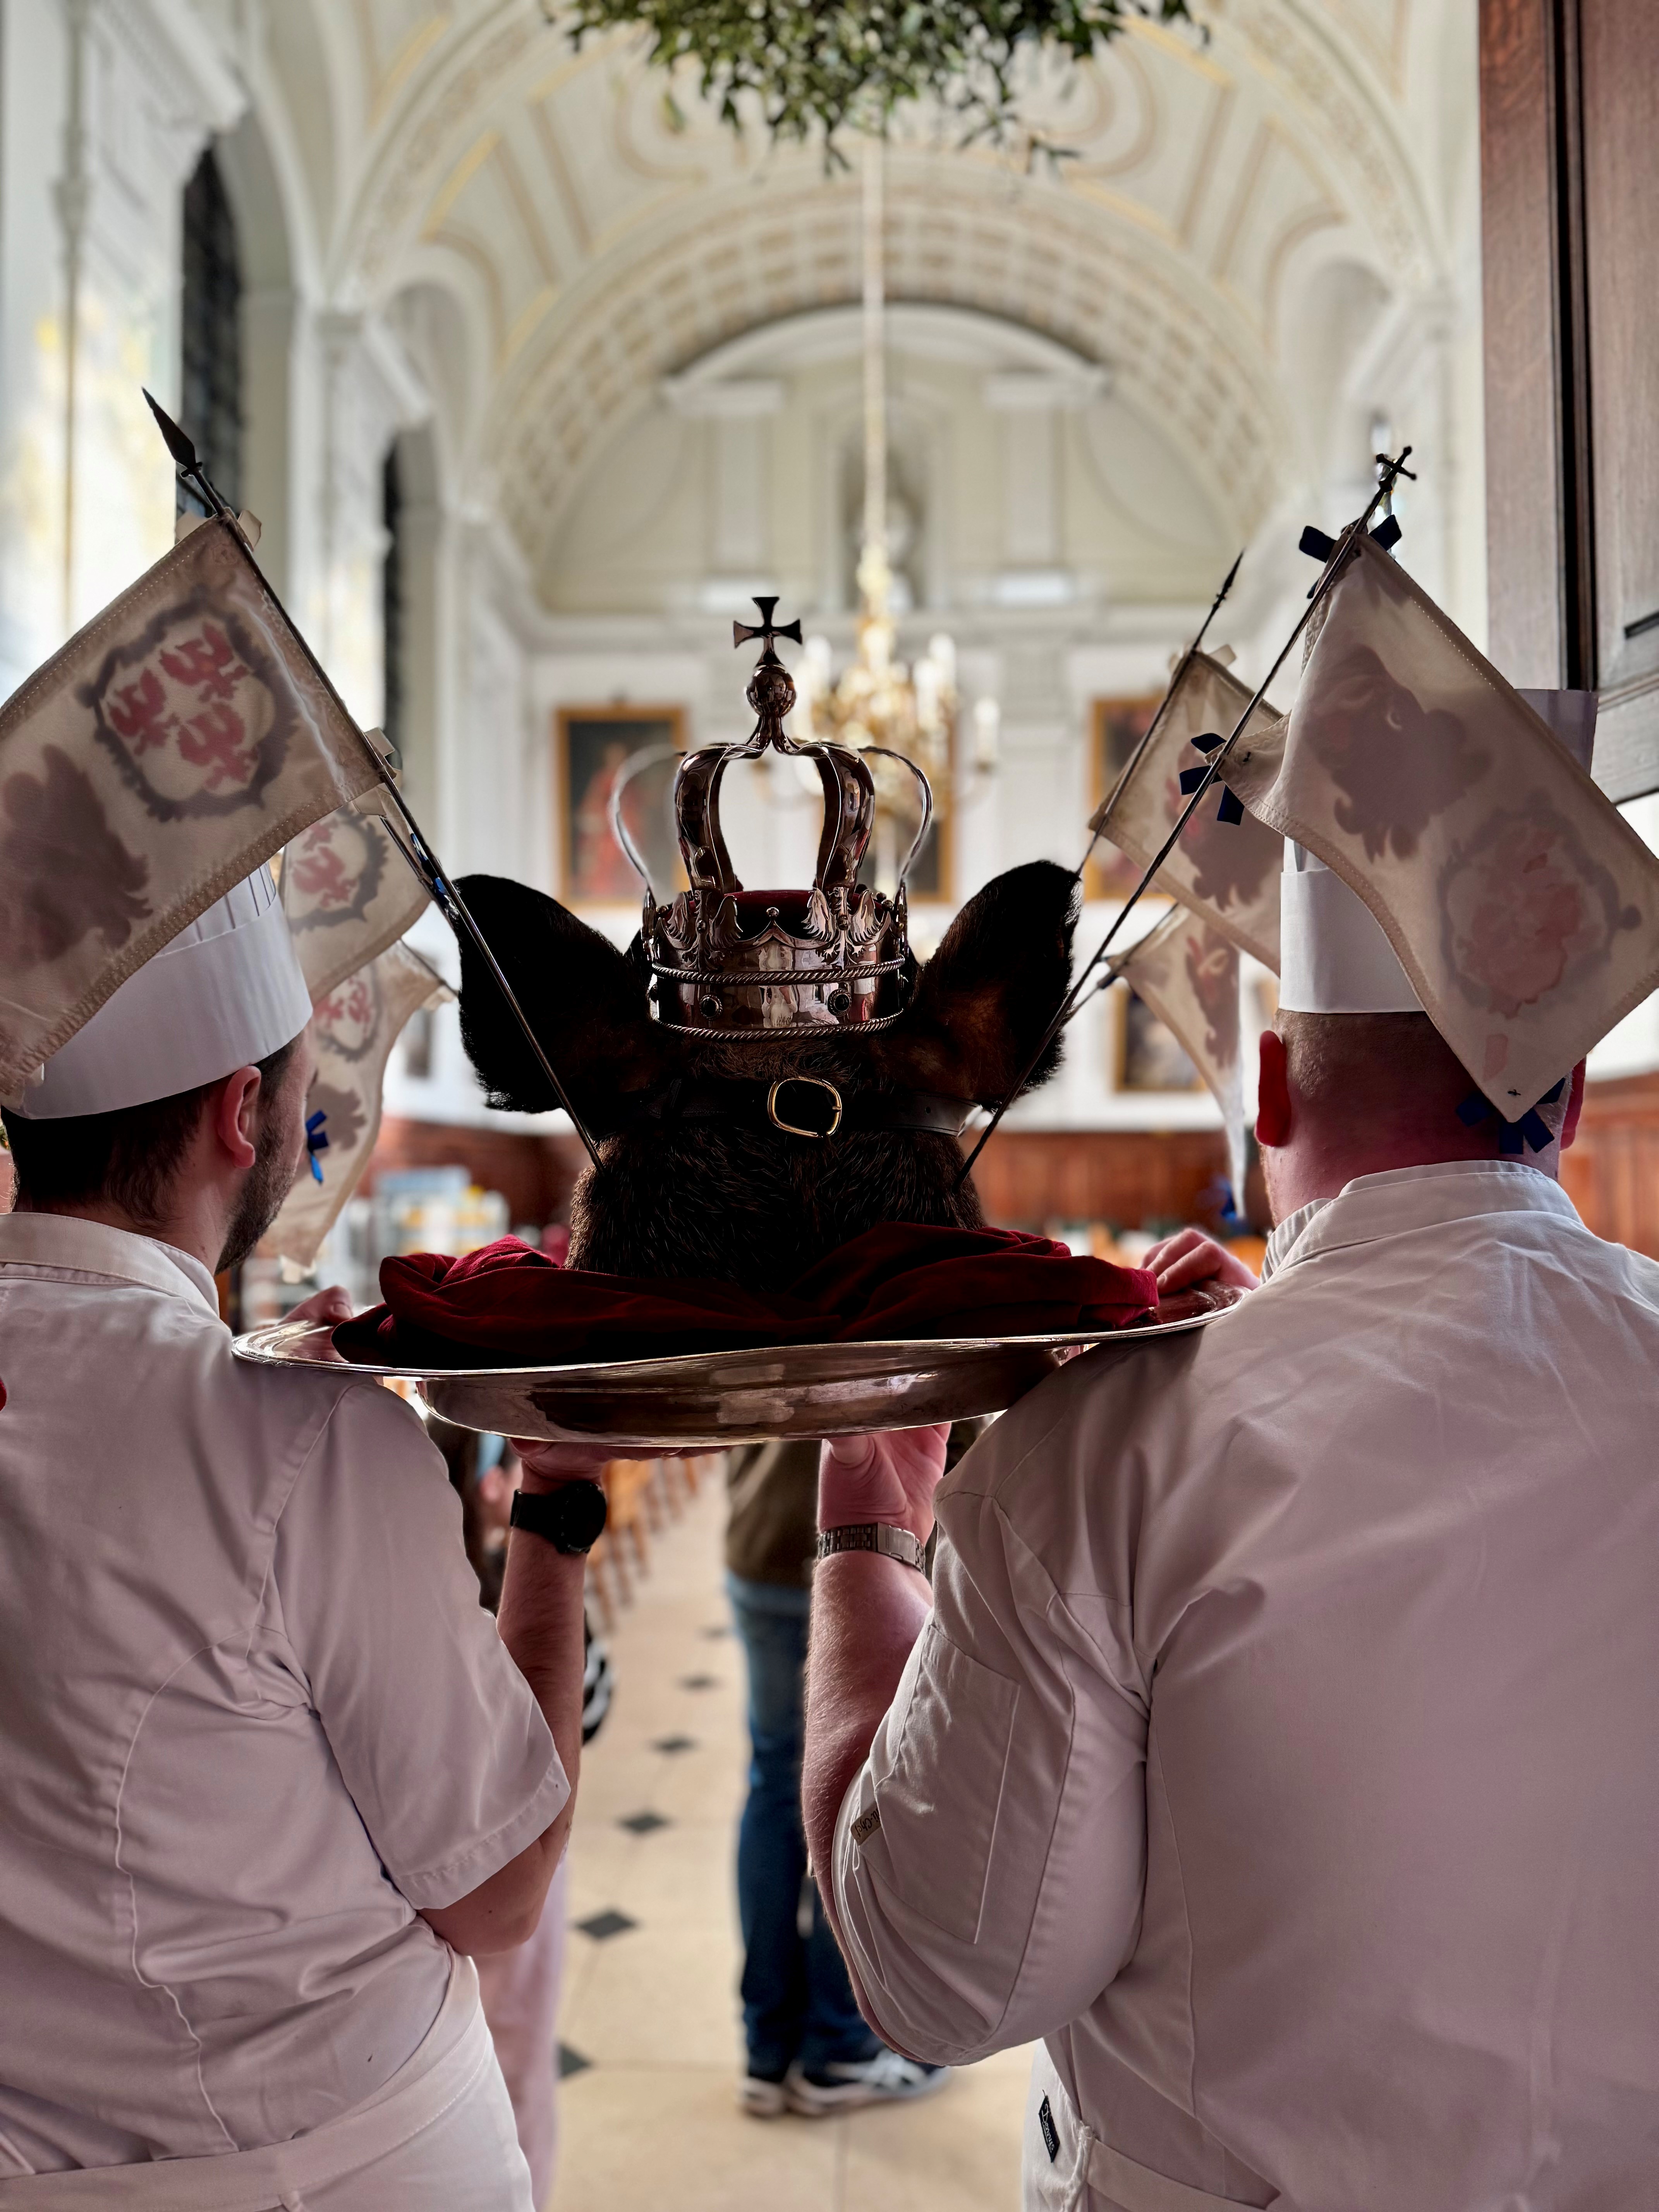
column 828, row 66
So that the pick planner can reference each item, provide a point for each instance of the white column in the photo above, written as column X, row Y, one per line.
column 1030, row 403
column 736, row 411
column 270, row 322
column 370, row 392
column 104, row 112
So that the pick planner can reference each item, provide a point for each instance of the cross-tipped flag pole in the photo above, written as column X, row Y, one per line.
column 1335, row 552
column 1151, row 729
column 413, row 843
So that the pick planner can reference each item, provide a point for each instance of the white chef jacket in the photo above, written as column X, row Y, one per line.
column 1283, row 1747
column 252, row 1716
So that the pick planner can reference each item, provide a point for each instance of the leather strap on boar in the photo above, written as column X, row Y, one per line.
column 807, row 1106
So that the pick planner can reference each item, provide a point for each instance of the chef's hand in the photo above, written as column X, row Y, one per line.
column 331, row 1305
column 888, row 1477
column 1190, row 1257
column 546, row 1467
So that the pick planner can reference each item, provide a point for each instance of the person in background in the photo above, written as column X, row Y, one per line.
column 520, row 1989
column 809, row 2052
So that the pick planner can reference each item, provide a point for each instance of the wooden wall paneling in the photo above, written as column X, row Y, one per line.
column 1527, row 520
column 1612, row 1172
column 1027, row 1178
column 1570, row 178
column 535, row 1174
column 1619, row 73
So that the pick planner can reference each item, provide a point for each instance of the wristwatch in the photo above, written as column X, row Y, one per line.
column 571, row 1517
column 875, row 1536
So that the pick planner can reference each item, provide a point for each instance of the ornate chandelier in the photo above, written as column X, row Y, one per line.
column 878, row 700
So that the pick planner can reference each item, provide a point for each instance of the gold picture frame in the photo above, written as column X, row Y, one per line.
column 932, row 879
column 1115, row 728
column 590, row 744
column 1144, row 1059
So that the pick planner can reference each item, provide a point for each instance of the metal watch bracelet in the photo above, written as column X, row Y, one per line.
column 875, row 1536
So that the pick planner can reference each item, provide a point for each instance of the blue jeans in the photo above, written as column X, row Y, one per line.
column 797, row 2001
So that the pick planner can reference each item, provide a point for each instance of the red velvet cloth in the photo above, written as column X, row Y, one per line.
column 509, row 1305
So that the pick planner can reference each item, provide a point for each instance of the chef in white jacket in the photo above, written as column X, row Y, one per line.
column 1280, row 1745
column 268, row 1773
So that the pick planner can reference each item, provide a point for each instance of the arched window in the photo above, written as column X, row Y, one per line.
column 211, row 395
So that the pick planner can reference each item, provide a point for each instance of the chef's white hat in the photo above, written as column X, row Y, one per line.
column 225, row 992
column 1334, row 956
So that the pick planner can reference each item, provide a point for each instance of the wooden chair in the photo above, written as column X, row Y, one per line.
column 627, row 1485
column 607, row 1582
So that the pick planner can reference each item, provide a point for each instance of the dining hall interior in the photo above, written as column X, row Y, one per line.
column 538, row 376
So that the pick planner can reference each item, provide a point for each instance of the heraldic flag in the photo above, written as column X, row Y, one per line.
column 354, row 1027
column 1523, row 908
column 1187, row 972
column 172, row 744
column 1226, row 865
column 348, row 893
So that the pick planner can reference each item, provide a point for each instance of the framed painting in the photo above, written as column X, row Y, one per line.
column 1144, row 1054
column 592, row 745
column 1116, row 727
column 931, row 875
column 930, row 872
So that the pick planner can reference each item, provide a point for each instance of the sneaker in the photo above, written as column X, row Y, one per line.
column 888, row 2078
column 763, row 2096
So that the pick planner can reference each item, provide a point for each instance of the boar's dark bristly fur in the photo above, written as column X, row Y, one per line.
column 754, row 1205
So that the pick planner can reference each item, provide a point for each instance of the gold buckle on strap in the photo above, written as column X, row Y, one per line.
column 794, row 1128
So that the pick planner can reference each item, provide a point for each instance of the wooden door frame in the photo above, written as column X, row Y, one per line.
column 1540, row 510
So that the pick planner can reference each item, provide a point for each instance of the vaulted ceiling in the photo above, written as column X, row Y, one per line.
column 586, row 246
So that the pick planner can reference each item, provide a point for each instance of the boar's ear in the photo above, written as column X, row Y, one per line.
column 988, row 994
column 585, row 1000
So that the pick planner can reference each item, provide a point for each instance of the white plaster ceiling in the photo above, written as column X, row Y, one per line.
column 591, row 250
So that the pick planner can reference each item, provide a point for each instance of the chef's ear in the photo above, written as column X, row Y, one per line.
column 1272, row 1111
column 1575, row 1108
column 233, row 1116
column 585, row 1000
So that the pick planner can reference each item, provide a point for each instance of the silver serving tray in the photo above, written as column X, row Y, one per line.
column 705, row 1401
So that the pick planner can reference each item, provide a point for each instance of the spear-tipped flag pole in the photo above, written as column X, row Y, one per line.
column 1151, row 729
column 1335, row 552
column 416, row 851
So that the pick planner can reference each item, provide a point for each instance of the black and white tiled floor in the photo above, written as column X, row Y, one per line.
column 649, row 2038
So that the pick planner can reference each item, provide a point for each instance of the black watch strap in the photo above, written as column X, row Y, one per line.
column 571, row 1518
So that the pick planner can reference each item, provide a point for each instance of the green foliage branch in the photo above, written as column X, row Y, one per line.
column 831, row 65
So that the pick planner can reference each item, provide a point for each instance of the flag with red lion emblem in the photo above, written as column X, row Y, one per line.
column 354, row 1027
column 172, row 746
column 1187, row 972
column 1521, row 905
column 348, row 893
column 1227, row 863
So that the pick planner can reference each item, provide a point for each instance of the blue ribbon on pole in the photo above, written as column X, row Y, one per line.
column 316, row 1141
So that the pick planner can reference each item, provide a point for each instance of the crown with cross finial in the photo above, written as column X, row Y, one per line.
column 733, row 964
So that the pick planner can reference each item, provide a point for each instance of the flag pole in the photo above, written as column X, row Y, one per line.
column 417, row 853
column 1070, row 1002
column 1098, row 822
column 1389, row 471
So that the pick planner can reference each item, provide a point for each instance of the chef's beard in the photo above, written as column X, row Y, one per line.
column 269, row 1182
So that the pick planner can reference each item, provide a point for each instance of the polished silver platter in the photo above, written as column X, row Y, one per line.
column 705, row 1401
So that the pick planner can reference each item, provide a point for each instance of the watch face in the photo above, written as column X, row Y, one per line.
column 582, row 1515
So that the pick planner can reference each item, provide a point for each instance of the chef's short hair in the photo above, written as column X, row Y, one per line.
column 1340, row 1060
column 126, row 1158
